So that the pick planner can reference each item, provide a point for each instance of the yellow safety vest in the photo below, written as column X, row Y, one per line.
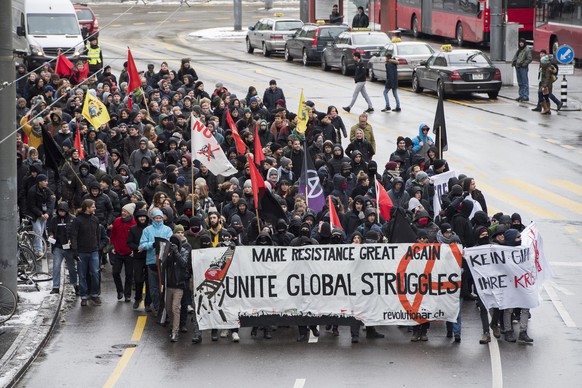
column 94, row 55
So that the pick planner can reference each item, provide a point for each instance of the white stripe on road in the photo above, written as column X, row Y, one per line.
column 563, row 290
column 565, row 264
column 299, row 383
column 312, row 339
column 559, row 306
column 496, row 371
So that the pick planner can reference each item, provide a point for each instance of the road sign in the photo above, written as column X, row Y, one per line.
column 565, row 54
column 566, row 70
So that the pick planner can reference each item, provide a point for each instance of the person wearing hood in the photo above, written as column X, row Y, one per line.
column 273, row 178
column 106, row 184
column 340, row 186
column 243, row 212
column 360, row 143
column 138, row 154
column 39, row 206
column 397, row 194
column 121, row 253
column 422, row 142
column 139, row 259
column 59, row 229
column 516, row 222
column 168, row 185
column 423, row 222
column 355, row 217
column 143, row 175
column 104, row 208
column 358, row 163
column 371, row 222
column 281, row 235
column 147, row 243
column 338, row 158
column 132, row 142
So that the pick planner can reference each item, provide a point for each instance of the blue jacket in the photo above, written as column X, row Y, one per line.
column 148, row 237
column 420, row 138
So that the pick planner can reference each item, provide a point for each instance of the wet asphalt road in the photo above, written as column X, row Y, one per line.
column 521, row 161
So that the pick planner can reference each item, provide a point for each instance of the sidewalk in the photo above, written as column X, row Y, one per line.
column 23, row 337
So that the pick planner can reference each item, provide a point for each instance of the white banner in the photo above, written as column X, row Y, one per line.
column 441, row 188
column 378, row 284
column 509, row 277
column 206, row 149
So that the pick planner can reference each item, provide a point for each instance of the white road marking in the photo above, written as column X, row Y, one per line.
column 559, row 306
column 565, row 264
column 563, row 290
column 312, row 339
column 299, row 383
column 496, row 370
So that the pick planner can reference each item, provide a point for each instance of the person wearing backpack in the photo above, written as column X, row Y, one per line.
column 551, row 96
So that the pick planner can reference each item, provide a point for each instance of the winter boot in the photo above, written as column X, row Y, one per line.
column 485, row 339
column 546, row 108
column 523, row 337
column 509, row 336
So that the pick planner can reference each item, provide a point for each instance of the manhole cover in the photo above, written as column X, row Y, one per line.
column 108, row 355
column 124, row 346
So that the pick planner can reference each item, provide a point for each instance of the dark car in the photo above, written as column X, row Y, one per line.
column 309, row 41
column 340, row 52
column 87, row 19
column 457, row 71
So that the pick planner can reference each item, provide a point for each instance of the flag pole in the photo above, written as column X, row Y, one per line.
column 258, row 220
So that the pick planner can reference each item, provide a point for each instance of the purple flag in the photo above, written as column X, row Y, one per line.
column 310, row 186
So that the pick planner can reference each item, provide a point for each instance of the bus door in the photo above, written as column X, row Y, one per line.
column 426, row 12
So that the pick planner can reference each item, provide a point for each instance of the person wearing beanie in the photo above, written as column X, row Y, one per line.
column 39, row 205
column 139, row 258
column 58, row 230
column 521, row 60
column 121, row 253
column 147, row 243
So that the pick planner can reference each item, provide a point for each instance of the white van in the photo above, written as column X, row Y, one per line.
column 42, row 27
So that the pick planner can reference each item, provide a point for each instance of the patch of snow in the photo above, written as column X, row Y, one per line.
column 219, row 33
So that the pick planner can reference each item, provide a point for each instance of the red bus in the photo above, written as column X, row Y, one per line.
column 557, row 23
column 462, row 20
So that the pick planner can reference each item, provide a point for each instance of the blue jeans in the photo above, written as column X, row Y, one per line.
column 395, row 94
column 154, row 288
column 455, row 327
column 522, row 81
column 89, row 262
column 38, row 227
column 58, row 255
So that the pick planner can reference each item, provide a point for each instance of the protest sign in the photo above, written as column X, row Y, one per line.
column 510, row 277
column 378, row 284
column 441, row 188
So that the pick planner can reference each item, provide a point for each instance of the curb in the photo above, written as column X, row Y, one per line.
column 573, row 105
column 26, row 339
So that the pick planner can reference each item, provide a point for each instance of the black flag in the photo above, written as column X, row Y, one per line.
column 53, row 157
column 270, row 208
column 439, row 128
column 402, row 232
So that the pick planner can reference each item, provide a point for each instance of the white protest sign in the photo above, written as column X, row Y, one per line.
column 378, row 284
column 441, row 188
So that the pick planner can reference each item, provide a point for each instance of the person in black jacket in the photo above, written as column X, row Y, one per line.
column 360, row 80
column 85, row 237
column 360, row 19
column 139, row 258
column 175, row 270
column 59, row 229
column 39, row 203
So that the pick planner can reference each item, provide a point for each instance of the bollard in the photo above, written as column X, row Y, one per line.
column 564, row 91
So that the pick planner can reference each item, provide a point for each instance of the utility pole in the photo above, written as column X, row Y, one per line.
column 304, row 10
column 496, row 39
column 8, row 190
column 237, row 15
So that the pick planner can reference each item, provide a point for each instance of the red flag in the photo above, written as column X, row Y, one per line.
column 134, row 80
column 384, row 201
column 257, row 181
column 259, row 155
column 64, row 67
column 240, row 144
column 78, row 144
column 130, row 103
column 333, row 217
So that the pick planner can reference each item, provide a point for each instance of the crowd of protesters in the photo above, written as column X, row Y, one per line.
column 138, row 181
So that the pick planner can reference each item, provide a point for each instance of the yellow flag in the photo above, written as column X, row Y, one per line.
column 95, row 111
column 302, row 115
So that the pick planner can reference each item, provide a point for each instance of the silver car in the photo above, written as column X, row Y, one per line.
column 408, row 54
column 269, row 34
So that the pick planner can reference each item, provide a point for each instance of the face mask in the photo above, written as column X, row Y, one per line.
column 319, row 143
column 305, row 232
column 336, row 239
column 423, row 221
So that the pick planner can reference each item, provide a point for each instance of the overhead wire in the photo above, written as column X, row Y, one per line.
column 79, row 84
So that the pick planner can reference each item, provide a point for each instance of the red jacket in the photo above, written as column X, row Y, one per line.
column 119, row 233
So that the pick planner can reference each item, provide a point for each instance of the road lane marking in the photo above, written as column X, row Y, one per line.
column 570, row 229
column 127, row 353
column 519, row 202
column 567, row 146
column 565, row 264
column 563, row 290
column 139, row 327
column 567, row 185
column 299, row 383
column 548, row 195
column 559, row 306
column 495, row 356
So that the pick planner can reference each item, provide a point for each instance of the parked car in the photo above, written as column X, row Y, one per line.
column 339, row 53
column 309, row 41
column 408, row 54
column 269, row 34
column 457, row 71
column 87, row 19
